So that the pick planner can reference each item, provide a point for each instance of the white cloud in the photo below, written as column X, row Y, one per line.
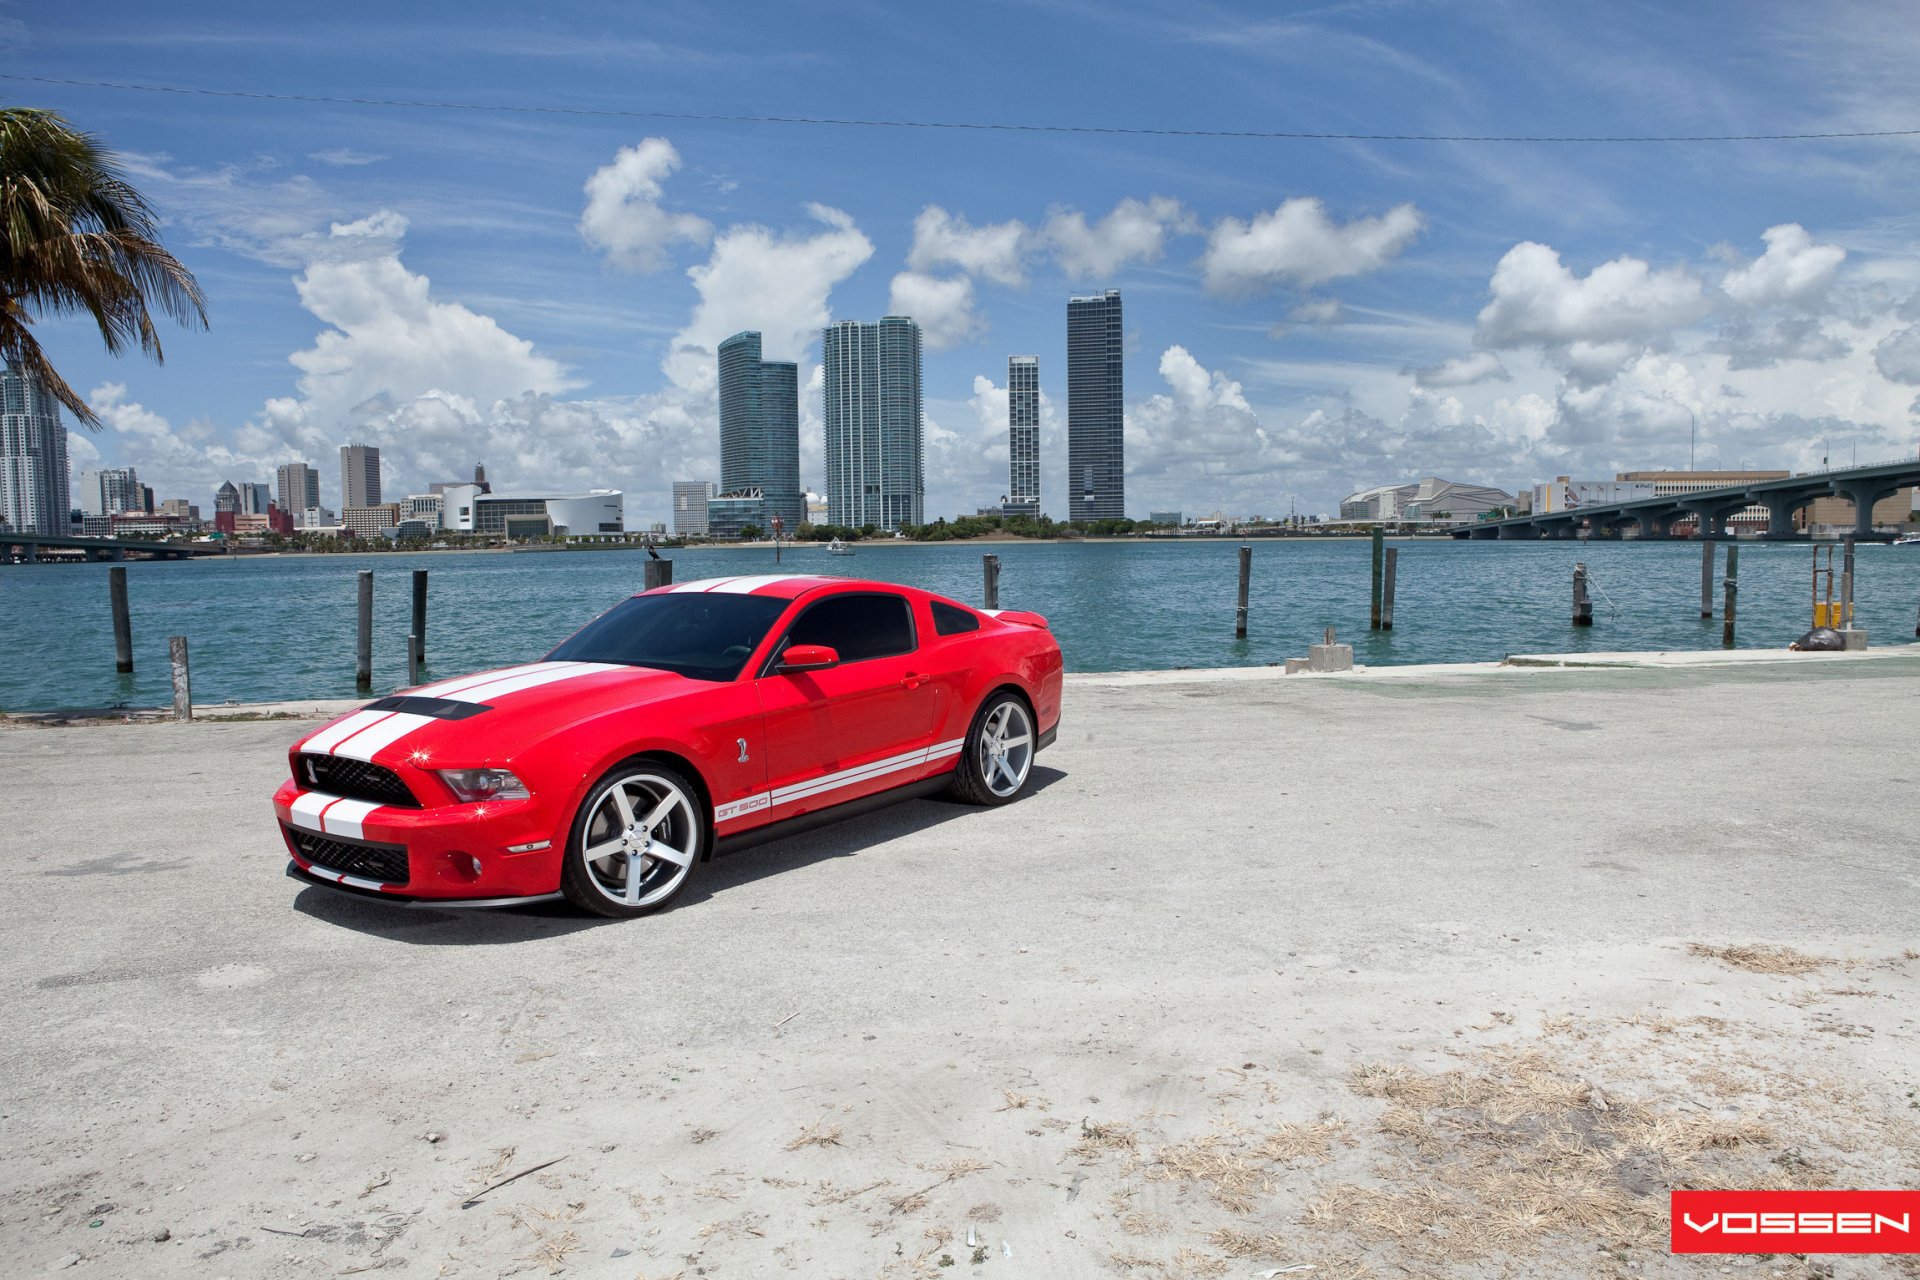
column 1322, row 312
column 1298, row 244
column 1793, row 270
column 1463, row 371
column 1538, row 301
column 942, row 307
column 942, row 239
column 623, row 217
column 344, row 157
column 1135, row 231
column 1897, row 356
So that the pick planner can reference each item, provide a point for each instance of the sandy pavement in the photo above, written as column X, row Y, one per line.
column 1435, row 976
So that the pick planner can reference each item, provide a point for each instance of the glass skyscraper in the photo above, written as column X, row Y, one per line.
column 1023, row 435
column 1096, row 409
column 760, row 429
column 876, row 439
column 34, row 496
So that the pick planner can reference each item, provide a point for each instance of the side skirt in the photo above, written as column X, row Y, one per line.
column 1046, row 738
column 826, row 817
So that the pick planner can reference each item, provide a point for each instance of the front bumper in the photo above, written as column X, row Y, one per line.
column 296, row 872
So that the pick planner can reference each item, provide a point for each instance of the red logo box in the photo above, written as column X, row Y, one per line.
column 1795, row 1221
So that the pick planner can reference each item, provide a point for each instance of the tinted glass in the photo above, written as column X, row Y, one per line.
column 857, row 627
column 951, row 620
column 700, row 634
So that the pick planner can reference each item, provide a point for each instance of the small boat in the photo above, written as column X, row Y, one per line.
column 1907, row 540
column 838, row 548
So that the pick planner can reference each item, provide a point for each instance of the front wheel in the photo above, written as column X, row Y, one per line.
column 635, row 841
column 998, row 757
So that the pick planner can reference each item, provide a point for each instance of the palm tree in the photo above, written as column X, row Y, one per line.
column 75, row 237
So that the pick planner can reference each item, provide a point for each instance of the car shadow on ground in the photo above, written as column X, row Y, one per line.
column 541, row 920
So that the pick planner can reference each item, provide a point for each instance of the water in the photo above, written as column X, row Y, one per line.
column 267, row 627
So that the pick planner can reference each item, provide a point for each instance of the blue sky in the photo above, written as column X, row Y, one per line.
column 542, row 291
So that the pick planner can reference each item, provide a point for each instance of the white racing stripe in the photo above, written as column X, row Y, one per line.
column 344, row 818
column 699, row 584
column 337, row 878
column 837, row 780
column 333, row 735
column 747, row 586
column 446, row 687
column 369, row 741
column 551, row 673
column 941, row 749
column 305, row 811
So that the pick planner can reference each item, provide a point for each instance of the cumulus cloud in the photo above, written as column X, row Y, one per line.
column 942, row 240
column 1297, row 244
column 623, row 217
column 1897, row 356
column 1135, row 231
column 943, row 307
column 1794, row 270
column 1761, row 344
column 1538, row 301
column 1463, row 371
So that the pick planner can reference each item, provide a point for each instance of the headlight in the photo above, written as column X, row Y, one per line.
column 484, row 784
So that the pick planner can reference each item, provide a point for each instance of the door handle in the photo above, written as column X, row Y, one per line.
column 912, row 681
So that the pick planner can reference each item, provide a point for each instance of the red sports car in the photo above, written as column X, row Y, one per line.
column 686, row 720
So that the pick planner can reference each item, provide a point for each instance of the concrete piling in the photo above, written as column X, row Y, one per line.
column 122, row 623
column 1706, row 578
column 1246, row 580
column 659, row 573
column 420, row 616
column 1582, row 602
column 1386, row 593
column 990, row 584
column 1733, row 594
column 182, row 678
column 1379, row 569
column 363, row 642
column 1846, row 587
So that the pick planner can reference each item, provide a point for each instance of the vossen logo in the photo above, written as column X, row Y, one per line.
column 1794, row 1221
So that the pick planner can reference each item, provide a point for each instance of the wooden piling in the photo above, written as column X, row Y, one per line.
column 420, row 615
column 1246, row 581
column 413, row 661
column 1706, row 578
column 363, row 642
column 182, row 678
column 1733, row 593
column 1379, row 568
column 990, row 574
column 1386, row 594
column 122, row 623
column 1582, row 603
column 1846, row 588
column 659, row 573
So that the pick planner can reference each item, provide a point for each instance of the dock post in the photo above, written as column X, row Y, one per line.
column 1379, row 567
column 122, row 624
column 1386, row 594
column 1246, row 580
column 182, row 678
column 1582, row 603
column 1706, row 578
column 1846, row 589
column 990, row 572
column 363, row 644
column 419, row 617
column 659, row 573
column 413, row 661
column 1733, row 593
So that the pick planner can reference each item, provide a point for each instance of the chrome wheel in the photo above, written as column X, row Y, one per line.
column 1005, row 750
column 641, row 837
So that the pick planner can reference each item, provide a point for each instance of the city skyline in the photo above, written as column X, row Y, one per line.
column 874, row 424
column 760, row 429
column 35, row 487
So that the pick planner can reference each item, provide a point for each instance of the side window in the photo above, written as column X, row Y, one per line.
column 857, row 626
column 951, row 620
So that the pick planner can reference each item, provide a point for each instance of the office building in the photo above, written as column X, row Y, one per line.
column 33, row 457
column 255, row 498
column 1096, row 409
column 730, row 515
column 690, row 498
column 110, row 491
column 226, row 499
column 425, row 509
column 368, row 521
column 875, row 432
column 760, row 429
column 298, row 485
column 1023, row 436
column 359, row 476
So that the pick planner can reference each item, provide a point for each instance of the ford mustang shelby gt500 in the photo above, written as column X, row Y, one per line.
column 686, row 719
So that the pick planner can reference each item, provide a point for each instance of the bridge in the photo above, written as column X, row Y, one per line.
column 26, row 547
column 1709, row 509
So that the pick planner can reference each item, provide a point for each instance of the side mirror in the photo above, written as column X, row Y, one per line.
column 807, row 657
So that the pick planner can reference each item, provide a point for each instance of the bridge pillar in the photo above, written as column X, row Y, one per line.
column 30, row 553
column 1780, row 516
column 1863, row 496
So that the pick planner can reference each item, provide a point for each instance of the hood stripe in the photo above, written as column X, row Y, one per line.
column 334, row 734
column 446, row 687
column 549, row 674
column 369, row 741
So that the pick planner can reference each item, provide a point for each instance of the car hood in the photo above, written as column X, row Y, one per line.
column 483, row 717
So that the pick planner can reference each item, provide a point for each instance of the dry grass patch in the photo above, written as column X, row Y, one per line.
column 1097, row 1140
column 817, row 1134
column 1236, row 1243
column 1762, row 958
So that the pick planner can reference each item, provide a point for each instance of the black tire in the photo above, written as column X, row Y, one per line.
column 977, row 779
column 685, row 829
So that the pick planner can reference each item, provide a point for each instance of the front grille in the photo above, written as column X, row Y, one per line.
column 355, row 779
column 386, row 863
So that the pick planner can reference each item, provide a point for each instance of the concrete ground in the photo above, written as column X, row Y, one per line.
column 1449, row 974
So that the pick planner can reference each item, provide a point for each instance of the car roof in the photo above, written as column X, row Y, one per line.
column 779, row 586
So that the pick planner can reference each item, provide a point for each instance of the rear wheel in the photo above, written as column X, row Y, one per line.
column 635, row 841
column 998, row 756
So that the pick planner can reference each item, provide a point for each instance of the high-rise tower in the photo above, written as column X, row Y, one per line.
column 876, row 443
column 760, row 429
column 1096, row 409
column 359, row 475
column 34, row 495
column 299, row 487
column 1023, row 435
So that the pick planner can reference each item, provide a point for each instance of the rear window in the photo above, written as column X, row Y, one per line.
column 857, row 627
column 952, row 620
column 703, row 635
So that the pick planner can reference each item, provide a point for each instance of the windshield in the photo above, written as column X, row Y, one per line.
column 699, row 634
